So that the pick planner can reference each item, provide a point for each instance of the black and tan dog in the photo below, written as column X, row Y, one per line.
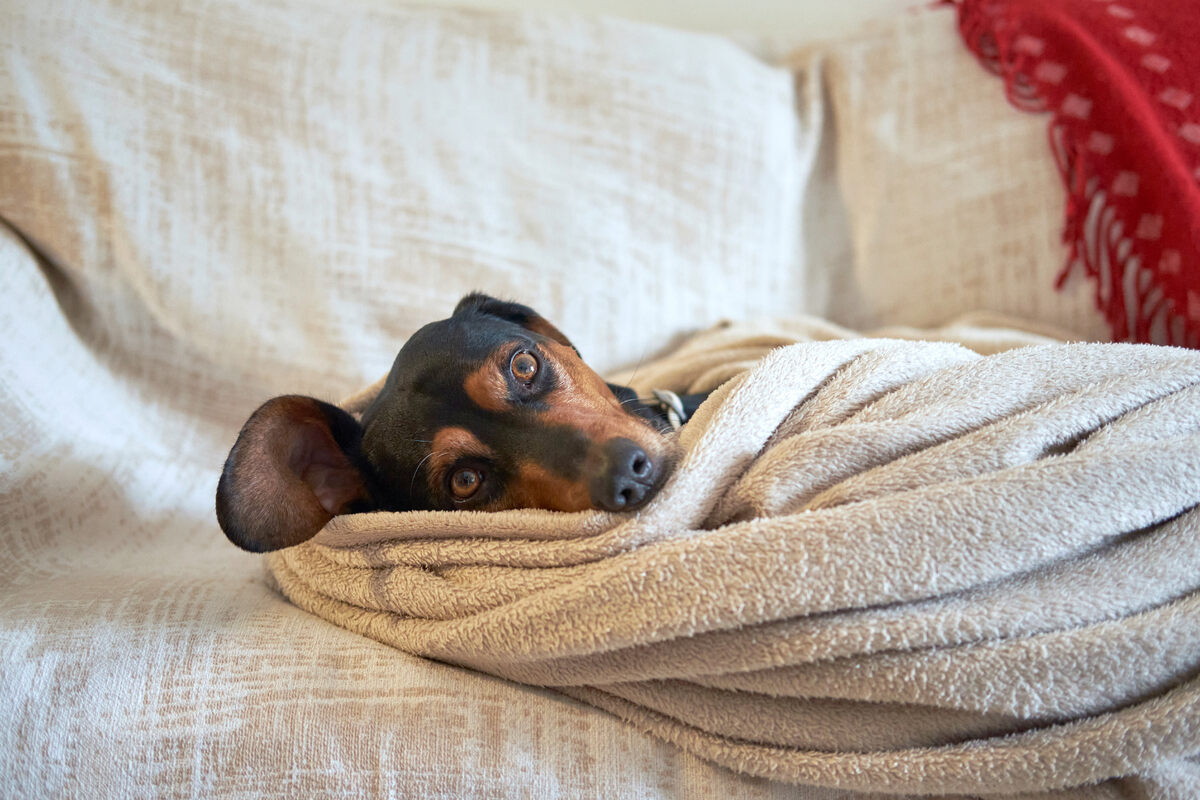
column 490, row 409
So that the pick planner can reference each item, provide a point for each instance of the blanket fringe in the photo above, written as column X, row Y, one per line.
column 1098, row 227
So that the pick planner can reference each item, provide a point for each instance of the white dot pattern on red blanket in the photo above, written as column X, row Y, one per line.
column 1176, row 97
column 1155, row 62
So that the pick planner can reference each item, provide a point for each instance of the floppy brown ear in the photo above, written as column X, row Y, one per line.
column 524, row 316
column 295, row 465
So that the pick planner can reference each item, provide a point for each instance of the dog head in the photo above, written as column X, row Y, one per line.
column 490, row 409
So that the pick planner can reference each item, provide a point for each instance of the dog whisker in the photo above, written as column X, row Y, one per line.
column 417, row 468
column 645, row 353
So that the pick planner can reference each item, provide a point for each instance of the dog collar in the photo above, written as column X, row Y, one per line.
column 671, row 407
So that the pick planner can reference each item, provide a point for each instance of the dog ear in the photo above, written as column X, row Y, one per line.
column 524, row 316
column 294, row 466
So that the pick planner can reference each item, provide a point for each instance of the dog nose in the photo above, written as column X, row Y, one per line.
column 626, row 478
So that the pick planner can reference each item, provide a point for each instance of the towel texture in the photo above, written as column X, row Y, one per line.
column 881, row 565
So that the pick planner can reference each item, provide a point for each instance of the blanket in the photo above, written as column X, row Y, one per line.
column 881, row 565
column 1120, row 80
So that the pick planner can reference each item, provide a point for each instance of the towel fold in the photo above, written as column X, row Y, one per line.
column 880, row 565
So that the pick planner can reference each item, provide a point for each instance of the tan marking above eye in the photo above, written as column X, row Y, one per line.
column 524, row 367
column 487, row 387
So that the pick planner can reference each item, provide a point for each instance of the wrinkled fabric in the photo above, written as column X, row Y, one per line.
column 881, row 565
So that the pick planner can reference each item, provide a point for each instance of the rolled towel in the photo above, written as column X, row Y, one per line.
column 881, row 565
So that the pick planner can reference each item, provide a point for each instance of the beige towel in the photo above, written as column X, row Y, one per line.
column 881, row 565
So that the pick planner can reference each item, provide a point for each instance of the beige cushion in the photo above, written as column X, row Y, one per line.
column 949, row 196
column 294, row 189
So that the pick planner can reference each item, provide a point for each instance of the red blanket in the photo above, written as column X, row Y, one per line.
column 1122, row 79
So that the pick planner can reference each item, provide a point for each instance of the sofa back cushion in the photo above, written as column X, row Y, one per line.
column 283, row 193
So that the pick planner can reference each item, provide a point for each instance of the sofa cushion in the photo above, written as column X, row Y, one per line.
column 949, row 196
column 292, row 189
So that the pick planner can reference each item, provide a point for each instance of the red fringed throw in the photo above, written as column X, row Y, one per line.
column 1122, row 79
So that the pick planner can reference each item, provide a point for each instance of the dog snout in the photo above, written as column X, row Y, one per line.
column 626, row 478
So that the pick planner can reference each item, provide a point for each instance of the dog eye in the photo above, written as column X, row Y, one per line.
column 465, row 483
column 524, row 367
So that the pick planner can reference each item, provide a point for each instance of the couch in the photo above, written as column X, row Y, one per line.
column 205, row 206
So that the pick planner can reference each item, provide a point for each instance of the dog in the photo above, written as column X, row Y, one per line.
column 490, row 409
